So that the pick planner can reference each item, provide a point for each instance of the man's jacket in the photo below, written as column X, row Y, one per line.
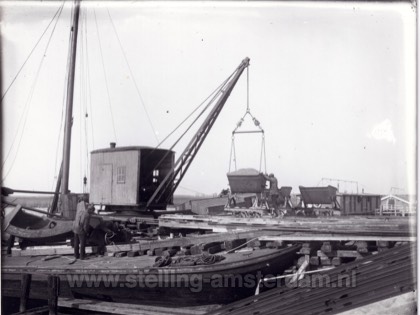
column 81, row 221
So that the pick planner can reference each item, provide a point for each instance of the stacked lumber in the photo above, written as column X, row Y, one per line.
column 373, row 278
column 326, row 254
column 343, row 226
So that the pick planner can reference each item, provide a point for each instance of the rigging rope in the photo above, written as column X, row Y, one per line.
column 33, row 49
column 21, row 118
column 106, row 80
column 218, row 91
column 133, row 79
column 88, row 79
column 214, row 94
column 29, row 99
column 86, row 90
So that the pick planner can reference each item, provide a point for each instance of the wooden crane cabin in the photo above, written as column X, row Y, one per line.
column 124, row 178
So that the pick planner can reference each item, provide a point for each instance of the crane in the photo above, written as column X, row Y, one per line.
column 173, row 178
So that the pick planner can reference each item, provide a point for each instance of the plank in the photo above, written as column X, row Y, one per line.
column 34, row 311
column 130, row 309
column 46, row 251
column 336, row 237
column 203, row 239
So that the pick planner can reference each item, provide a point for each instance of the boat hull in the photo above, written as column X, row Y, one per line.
column 35, row 228
column 220, row 283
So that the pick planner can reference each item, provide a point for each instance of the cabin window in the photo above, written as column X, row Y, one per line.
column 121, row 175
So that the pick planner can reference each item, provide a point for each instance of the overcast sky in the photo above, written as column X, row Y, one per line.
column 333, row 85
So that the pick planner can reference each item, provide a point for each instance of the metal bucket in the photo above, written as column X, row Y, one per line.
column 246, row 181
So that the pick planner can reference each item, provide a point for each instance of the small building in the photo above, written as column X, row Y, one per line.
column 358, row 204
column 397, row 205
column 126, row 177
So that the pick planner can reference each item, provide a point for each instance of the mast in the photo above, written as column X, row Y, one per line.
column 69, row 103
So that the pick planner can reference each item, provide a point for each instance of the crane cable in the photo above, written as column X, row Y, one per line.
column 215, row 93
column 133, row 79
column 257, row 124
column 106, row 80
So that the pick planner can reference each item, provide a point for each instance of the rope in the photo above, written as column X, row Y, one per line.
column 203, row 259
column 106, row 80
column 88, row 79
column 162, row 261
column 33, row 49
column 233, row 249
column 215, row 93
column 257, row 124
column 84, row 91
column 133, row 79
column 28, row 101
column 247, row 89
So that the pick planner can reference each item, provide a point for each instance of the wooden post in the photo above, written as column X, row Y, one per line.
column 53, row 290
column 10, row 244
column 25, row 285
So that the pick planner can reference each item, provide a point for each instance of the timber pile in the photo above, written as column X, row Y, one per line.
column 183, row 245
column 322, row 255
column 359, row 226
column 377, row 277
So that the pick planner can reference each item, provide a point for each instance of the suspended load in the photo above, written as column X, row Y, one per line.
column 246, row 180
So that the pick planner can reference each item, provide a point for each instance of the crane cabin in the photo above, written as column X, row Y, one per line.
column 124, row 178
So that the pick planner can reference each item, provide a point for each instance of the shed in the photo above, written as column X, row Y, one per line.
column 128, row 176
column 398, row 205
column 358, row 204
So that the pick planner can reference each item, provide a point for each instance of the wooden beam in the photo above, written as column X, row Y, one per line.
column 200, row 239
column 46, row 251
column 53, row 291
column 34, row 311
column 131, row 309
column 25, row 286
column 336, row 237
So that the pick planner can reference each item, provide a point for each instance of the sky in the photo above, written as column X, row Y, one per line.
column 332, row 84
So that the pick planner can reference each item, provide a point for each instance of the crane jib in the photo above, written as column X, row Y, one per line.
column 173, row 178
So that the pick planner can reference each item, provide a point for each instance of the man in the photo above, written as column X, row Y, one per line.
column 274, row 189
column 81, row 227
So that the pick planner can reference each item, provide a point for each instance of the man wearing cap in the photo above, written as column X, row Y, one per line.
column 81, row 228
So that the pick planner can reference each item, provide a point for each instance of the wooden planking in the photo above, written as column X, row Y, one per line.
column 336, row 237
column 144, row 245
column 199, row 239
column 131, row 309
column 46, row 251
column 350, row 225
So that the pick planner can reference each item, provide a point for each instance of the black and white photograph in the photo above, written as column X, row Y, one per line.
column 209, row 157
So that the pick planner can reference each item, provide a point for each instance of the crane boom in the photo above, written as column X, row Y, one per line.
column 173, row 178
